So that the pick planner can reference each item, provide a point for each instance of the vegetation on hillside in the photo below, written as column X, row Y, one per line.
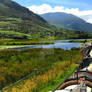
column 15, row 28
column 17, row 22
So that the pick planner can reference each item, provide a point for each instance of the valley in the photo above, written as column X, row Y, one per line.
column 38, row 51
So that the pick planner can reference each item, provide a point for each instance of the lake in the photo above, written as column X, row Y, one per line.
column 57, row 44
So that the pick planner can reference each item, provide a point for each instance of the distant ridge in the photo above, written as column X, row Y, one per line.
column 68, row 21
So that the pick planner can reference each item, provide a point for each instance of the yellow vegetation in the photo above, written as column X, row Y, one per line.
column 34, row 83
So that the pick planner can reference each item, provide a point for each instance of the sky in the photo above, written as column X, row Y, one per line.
column 80, row 8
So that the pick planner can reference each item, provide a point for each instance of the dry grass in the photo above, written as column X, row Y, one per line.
column 34, row 84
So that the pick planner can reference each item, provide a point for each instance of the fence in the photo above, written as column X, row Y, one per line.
column 66, row 78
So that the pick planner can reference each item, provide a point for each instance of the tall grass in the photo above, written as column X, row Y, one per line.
column 48, row 63
column 25, row 42
column 47, row 81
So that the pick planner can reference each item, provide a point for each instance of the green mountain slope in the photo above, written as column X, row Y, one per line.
column 68, row 20
column 9, row 8
column 14, row 17
column 17, row 22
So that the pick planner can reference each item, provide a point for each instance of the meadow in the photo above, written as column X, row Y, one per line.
column 81, row 40
column 23, row 42
column 42, row 66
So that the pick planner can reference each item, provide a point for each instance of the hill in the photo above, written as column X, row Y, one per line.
column 17, row 22
column 14, row 17
column 9, row 8
column 68, row 21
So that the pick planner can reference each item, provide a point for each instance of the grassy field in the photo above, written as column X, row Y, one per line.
column 62, row 74
column 14, row 35
column 46, row 68
column 81, row 41
column 23, row 42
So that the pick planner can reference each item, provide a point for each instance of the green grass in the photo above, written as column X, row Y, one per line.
column 14, row 19
column 58, row 26
column 55, row 82
column 24, row 42
column 4, row 23
column 16, row 64
column 81, row 41
column 18, row 28
column 14, row 35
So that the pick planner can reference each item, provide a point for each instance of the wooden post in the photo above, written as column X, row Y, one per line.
column 71, row 59
column 35, row 72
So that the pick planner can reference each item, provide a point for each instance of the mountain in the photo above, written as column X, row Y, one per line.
column 14, row 17
column 68, row 21
column 17, row 22
column 9, row 8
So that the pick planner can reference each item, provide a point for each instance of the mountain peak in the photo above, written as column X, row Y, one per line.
column 68, row 21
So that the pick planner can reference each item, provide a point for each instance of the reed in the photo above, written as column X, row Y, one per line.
column 50, row 64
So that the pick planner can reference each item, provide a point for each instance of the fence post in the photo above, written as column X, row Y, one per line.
column 35, row 73
column 71, row 59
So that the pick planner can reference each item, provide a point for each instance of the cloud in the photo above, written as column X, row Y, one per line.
column 87, row 18
column 46, row 8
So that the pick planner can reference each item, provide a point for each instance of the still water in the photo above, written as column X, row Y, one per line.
column 57, row 44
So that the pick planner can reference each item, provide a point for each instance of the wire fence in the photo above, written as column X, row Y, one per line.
column 31, row 75
column 66, row 78
column 37, row 72
column 7, row 87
